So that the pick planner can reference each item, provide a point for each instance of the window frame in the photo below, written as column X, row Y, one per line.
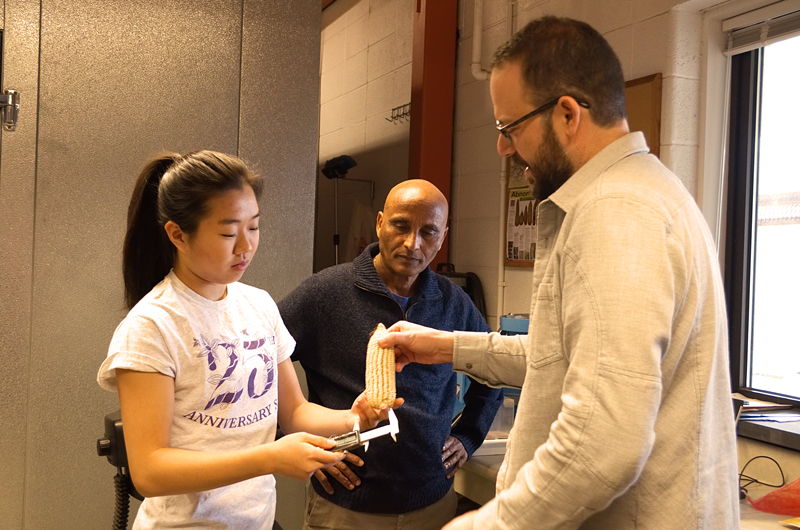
column 746, row 72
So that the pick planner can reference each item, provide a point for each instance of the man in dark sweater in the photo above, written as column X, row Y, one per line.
column 407, row 484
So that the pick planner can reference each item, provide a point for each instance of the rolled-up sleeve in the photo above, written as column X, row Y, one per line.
column 491, row 358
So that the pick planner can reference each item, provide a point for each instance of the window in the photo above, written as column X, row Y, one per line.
column 762, row 256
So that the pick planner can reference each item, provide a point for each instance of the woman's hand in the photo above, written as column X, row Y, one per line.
column 367, row 416
column 300, row 454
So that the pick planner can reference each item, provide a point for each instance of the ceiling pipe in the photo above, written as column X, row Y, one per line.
column 482, row 75
column 477, row 39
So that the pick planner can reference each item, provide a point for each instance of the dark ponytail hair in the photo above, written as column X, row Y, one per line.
column 173, row 188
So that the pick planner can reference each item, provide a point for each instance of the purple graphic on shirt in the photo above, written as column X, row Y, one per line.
column 245, row 363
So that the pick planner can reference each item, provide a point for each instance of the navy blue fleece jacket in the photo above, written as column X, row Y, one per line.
column 331, row 316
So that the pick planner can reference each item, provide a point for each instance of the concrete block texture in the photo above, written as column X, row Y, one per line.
column 479, row 196
column 402, row 85
column 478, row 153
column 668, row 43
column 358, row 10
column 333, row 53
column 493, row 12
column 333, row 27
column 682, row 160
column 380, row 133
column 354, row 72
column 380, row 96
column 649, row 52
column 354, row 136
column 330, row 116
column 525, row 5
column 331, row 85
column 493, row 37
column 684, row 51
column 463, row 63
column 474, row 106
column 405, row 12
column 680, row 102
column 354, row 106
column 357, row 36
column 381, row 58
column 404, row 44
column 528, row 10
column 622, row 42
column 328, row 144
column 343, row 141
column 382, row 20
column 602, row 17
column 481, row 236
column 644, row 9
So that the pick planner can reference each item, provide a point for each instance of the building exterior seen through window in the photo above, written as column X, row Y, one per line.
column 774, row 305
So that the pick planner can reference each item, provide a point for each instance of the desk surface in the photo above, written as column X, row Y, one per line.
column 752, row 519
column 476, row 481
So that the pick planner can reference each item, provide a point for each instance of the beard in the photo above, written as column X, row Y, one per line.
column 551, row 168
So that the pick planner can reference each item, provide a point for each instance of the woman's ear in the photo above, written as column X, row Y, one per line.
column 175, row 234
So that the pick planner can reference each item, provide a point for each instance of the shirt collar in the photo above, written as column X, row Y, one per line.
column 368, row 278
column 567, row 195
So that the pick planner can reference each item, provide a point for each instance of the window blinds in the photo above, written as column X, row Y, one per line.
column 761, row 27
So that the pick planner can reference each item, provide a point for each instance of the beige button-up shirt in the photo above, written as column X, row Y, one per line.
column 625, row 419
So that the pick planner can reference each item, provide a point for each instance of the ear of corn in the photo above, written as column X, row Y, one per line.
column 380, row 371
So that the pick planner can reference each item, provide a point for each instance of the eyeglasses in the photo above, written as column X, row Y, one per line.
column 505, row 129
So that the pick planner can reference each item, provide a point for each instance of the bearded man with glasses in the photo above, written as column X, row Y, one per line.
column 625, row 418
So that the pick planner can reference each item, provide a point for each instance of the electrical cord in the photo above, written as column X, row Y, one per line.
column 122, row 504
column 750, row 480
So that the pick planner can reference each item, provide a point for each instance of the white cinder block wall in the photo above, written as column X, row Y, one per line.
column 649, row 36
column 365, row 72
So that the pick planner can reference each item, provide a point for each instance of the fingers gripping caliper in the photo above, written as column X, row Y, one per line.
column 356, row 438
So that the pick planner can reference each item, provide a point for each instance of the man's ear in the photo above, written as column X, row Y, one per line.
column 444, row 235
column 568, row 115
column 379, row 224
column 175, row 234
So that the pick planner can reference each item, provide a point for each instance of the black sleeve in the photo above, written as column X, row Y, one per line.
column 299, row 312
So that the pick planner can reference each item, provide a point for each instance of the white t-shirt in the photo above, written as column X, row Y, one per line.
column 224, row 358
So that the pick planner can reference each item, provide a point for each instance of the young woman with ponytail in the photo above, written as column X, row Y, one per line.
column 202, row 362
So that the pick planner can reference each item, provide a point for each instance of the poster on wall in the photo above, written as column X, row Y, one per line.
column 520, row 228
